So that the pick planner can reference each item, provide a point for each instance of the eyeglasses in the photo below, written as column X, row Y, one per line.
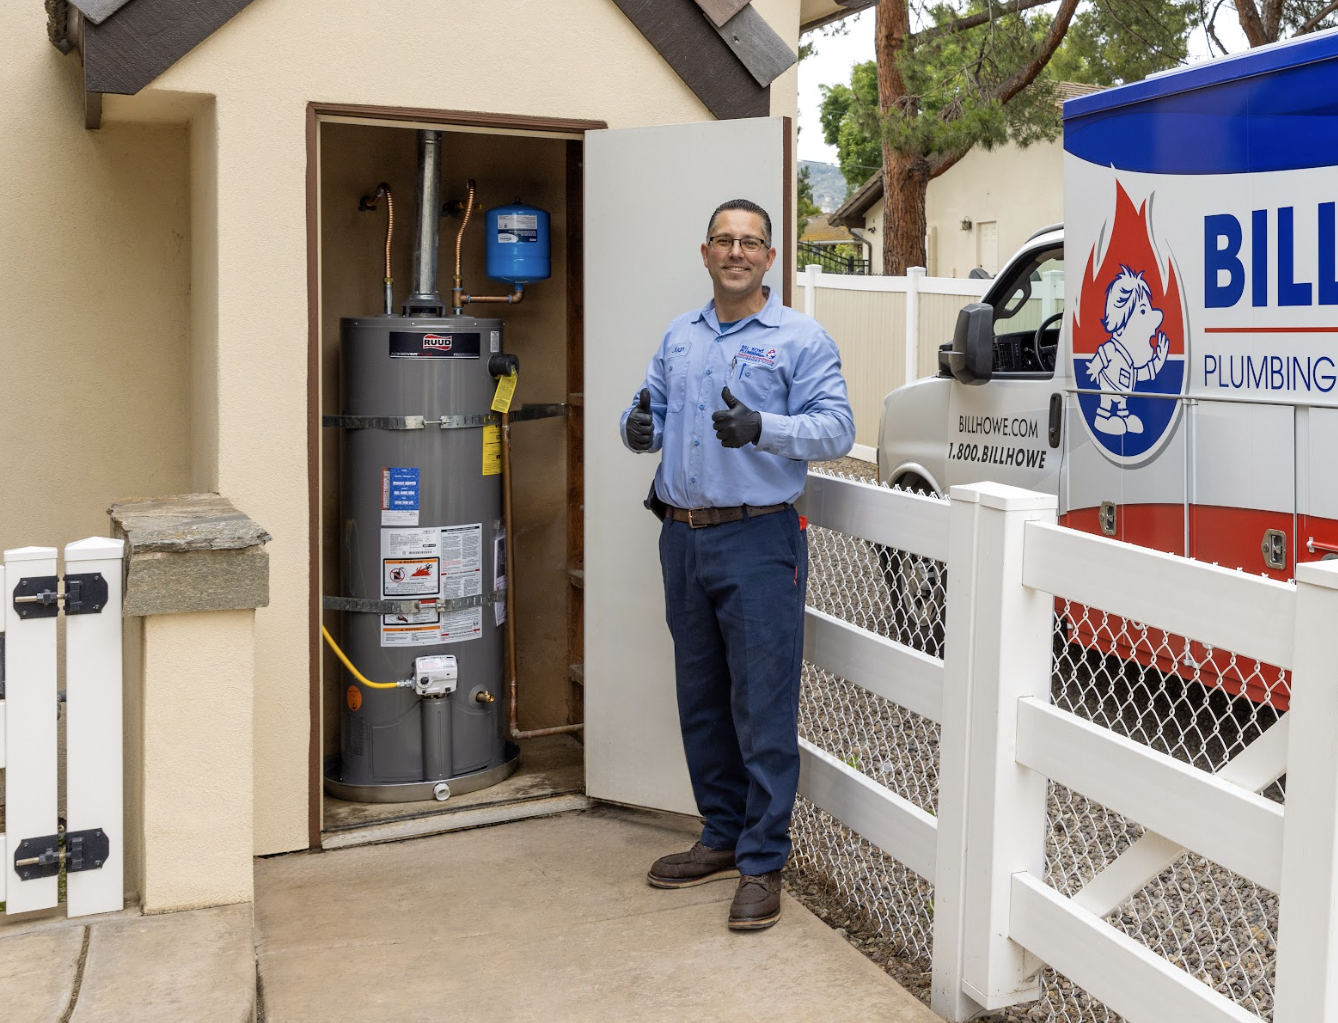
column 723, row 243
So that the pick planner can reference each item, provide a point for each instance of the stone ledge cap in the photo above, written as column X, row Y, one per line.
column 189, row 522
column 190, row 553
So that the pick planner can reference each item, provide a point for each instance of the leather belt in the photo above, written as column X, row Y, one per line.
column 697, row 518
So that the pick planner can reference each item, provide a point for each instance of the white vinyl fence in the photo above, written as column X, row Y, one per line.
column 888, row 330
column 982, row 842
column 90, row 846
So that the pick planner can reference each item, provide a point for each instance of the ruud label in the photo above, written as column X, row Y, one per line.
column 406, row 344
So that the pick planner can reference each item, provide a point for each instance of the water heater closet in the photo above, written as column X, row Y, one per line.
column 423, row 550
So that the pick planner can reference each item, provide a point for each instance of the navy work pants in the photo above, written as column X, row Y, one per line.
column 734, row 600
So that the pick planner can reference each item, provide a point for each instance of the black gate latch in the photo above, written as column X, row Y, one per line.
column 37, row 596
column 41, row 857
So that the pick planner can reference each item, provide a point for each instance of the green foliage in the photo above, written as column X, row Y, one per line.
column 807, row 207
column 849, row 118
column 950, row 77
column 1118, row 41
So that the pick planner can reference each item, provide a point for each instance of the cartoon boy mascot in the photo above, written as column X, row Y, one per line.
column 1130, row 320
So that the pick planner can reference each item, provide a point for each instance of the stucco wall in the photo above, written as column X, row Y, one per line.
column 95, row 241
column 581, row 58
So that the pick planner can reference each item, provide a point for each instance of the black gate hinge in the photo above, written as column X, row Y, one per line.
column 37, row 596
column 41, row 857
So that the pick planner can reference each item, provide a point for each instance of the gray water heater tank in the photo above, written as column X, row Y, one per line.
column 421, row 512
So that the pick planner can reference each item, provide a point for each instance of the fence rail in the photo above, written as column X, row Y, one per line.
column 34, row 850
column 1010, row 757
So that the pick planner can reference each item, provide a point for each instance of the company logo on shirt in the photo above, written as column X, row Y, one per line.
column 1129, row 340
column 766, row 356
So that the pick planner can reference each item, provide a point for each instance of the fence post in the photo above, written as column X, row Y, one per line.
column 914, row 274
column 30, row 723
column 811, row 272
column 1307, row 977
column 93, row 747
column 991, row 811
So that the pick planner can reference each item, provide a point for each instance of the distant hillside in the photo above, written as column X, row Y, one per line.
column 829, row 187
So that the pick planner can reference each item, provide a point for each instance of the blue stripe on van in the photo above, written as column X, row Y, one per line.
column 1272, row 109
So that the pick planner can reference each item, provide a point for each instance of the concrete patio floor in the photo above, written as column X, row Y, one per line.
column 548, row 918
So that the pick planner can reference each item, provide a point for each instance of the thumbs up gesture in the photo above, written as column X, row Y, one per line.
column 641, row 424
column 736, row 424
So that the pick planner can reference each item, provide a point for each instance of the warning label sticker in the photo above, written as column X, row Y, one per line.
column 409, row 577
column 443, row 562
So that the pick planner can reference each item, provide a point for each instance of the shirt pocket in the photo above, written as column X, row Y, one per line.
column 755, row 384
column 676, row 381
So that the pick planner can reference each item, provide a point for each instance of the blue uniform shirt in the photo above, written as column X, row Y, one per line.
column 778, row 362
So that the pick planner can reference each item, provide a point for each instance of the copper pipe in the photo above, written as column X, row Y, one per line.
column 513, row 731
column 511, row 299
column 459, row 237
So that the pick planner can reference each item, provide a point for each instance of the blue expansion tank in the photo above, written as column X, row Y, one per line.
column 517, row 243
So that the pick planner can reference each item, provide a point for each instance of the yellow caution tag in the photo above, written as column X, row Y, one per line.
column 492, row 451
column 506, row 389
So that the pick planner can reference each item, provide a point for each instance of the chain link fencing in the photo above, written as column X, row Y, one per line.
column 1170, row 693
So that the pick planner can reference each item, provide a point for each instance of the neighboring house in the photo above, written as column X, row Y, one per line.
column 182, row 239
column 978, row 211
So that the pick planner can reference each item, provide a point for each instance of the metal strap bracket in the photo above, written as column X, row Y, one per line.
column 361, row 605
column 446, row 422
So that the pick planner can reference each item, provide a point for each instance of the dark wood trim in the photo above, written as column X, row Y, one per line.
column 315, row 747
column 145, row 38
column 575, row 322
column 464, row 118
column 787, row 215
column 690, row 44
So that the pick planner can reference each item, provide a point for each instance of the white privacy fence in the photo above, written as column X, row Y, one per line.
column 888, row 330
column 1011, row 770
column 89, row 846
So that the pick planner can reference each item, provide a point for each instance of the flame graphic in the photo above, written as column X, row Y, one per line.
column 1130, row 245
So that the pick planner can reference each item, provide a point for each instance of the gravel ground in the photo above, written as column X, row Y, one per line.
column 1210, row 922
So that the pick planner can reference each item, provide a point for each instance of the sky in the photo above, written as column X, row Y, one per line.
column 835, row 55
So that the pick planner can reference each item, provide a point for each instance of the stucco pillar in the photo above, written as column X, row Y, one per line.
column 199, row 674
column 196, row 570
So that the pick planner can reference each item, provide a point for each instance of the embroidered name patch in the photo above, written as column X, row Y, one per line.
column 766, row 356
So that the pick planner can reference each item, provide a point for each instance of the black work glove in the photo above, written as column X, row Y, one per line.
column 737, row 425
column 641, row 424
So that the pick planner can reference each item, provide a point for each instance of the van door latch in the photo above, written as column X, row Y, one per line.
column 1056, row 418
column 1274, row 548
column 1106, row 516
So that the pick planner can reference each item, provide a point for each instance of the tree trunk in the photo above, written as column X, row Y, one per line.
column 905, row 181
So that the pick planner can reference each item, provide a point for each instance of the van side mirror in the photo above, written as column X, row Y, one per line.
column 972, row 357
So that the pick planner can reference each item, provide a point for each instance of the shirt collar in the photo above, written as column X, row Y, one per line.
column 768, row 316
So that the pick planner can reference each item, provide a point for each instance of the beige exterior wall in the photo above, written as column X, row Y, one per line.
column 1007, row 193
column 163, row 262
column 96, row 238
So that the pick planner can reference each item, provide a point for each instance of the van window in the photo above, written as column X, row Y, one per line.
column 1027, row 303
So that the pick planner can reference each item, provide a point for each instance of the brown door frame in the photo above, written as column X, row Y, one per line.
column 446, row 119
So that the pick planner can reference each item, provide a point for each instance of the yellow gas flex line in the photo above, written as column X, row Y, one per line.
column 349, row 664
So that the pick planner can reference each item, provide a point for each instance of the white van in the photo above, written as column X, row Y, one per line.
column 1167, row 361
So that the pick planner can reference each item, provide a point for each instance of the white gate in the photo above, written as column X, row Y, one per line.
column 90, row 848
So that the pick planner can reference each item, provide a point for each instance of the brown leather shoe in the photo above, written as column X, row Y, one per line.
column 756, row 904
column 696, row 866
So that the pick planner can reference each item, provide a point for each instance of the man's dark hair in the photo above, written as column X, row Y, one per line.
column 748, row 206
